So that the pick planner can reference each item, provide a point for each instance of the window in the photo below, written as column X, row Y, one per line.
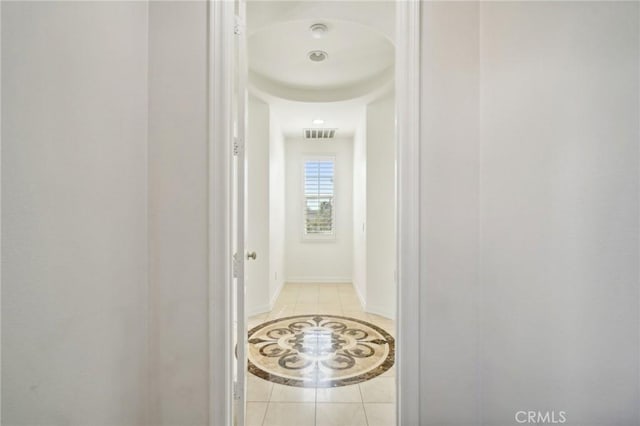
column 319, row 217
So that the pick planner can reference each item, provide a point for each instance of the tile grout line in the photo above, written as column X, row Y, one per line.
column 264, row 416
column 341, row 309
column 366, row 418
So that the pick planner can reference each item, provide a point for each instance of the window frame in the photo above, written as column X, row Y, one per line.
column 328, row 237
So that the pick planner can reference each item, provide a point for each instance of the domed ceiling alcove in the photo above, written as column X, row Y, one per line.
column 354, row 53
column 350, row 57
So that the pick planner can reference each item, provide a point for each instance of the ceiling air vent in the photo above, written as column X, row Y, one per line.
column 319, row 133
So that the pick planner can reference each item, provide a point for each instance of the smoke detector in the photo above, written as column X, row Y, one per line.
column 318, row 55
column 318, row 30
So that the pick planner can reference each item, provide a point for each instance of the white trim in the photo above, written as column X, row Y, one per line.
column 0, row 218
column 361, row 298
column 408, row 19
column 306, row 238
column 220, row 49
column 275, row 296
column 408, row 211
column 318, row 280
column 380, row 311
column 238, row 82
column 260, row 309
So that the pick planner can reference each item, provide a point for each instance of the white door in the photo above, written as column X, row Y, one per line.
column 239, row 214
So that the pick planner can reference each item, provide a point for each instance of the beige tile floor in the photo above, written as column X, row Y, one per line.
column 370, row 403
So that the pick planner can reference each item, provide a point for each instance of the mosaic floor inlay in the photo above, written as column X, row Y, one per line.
column 319, row 351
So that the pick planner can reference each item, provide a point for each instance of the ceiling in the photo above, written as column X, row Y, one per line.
column 355, row 53
column 359, row 67
column 293, row 117
column 377, row 14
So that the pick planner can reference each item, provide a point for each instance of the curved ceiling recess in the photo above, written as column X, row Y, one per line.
column 318, row 60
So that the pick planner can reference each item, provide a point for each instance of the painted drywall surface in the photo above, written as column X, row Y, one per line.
column 257, row 208
column 381, row 232
column 277, row 220
column 0, row 215
column 326, row 260
column 359, row 266
column 529, row 218
column 559, row 210
column 449, row 214
column 178, row 151
column 74, row 242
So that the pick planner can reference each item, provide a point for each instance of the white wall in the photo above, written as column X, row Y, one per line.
column 314, row 260
column 449, row 213
column 359, row 266
column 74, row 210
column 374, row 207
column 559, row 212
column 277, row 210
column 529, row 212
column 178, row 182
column 257, row 280
column 380, row 210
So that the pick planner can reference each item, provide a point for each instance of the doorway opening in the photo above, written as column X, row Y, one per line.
column 228, row 100
column 320, row 204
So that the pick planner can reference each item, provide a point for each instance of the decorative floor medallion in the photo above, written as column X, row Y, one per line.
column 319, row 351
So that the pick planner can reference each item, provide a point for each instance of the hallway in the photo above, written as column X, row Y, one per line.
column 512, row 252
column 368, row 403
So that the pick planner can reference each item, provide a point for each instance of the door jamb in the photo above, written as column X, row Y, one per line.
column 220, row 51
column 220, row 44
column 408, row 16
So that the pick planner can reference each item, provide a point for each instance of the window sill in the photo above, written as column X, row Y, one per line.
column 319, row 239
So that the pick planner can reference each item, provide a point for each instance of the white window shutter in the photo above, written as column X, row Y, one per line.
column 319, row 195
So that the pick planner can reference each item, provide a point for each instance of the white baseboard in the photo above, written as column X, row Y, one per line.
column 265, row 308
column 260, row 309
column 319, row 280
column 377, row 310
column 363, row 303
column 275, row 296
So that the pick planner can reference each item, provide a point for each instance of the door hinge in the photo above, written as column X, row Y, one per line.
column 236, row 390
column 235, row 265
column 238, row 26
column 237, row 146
